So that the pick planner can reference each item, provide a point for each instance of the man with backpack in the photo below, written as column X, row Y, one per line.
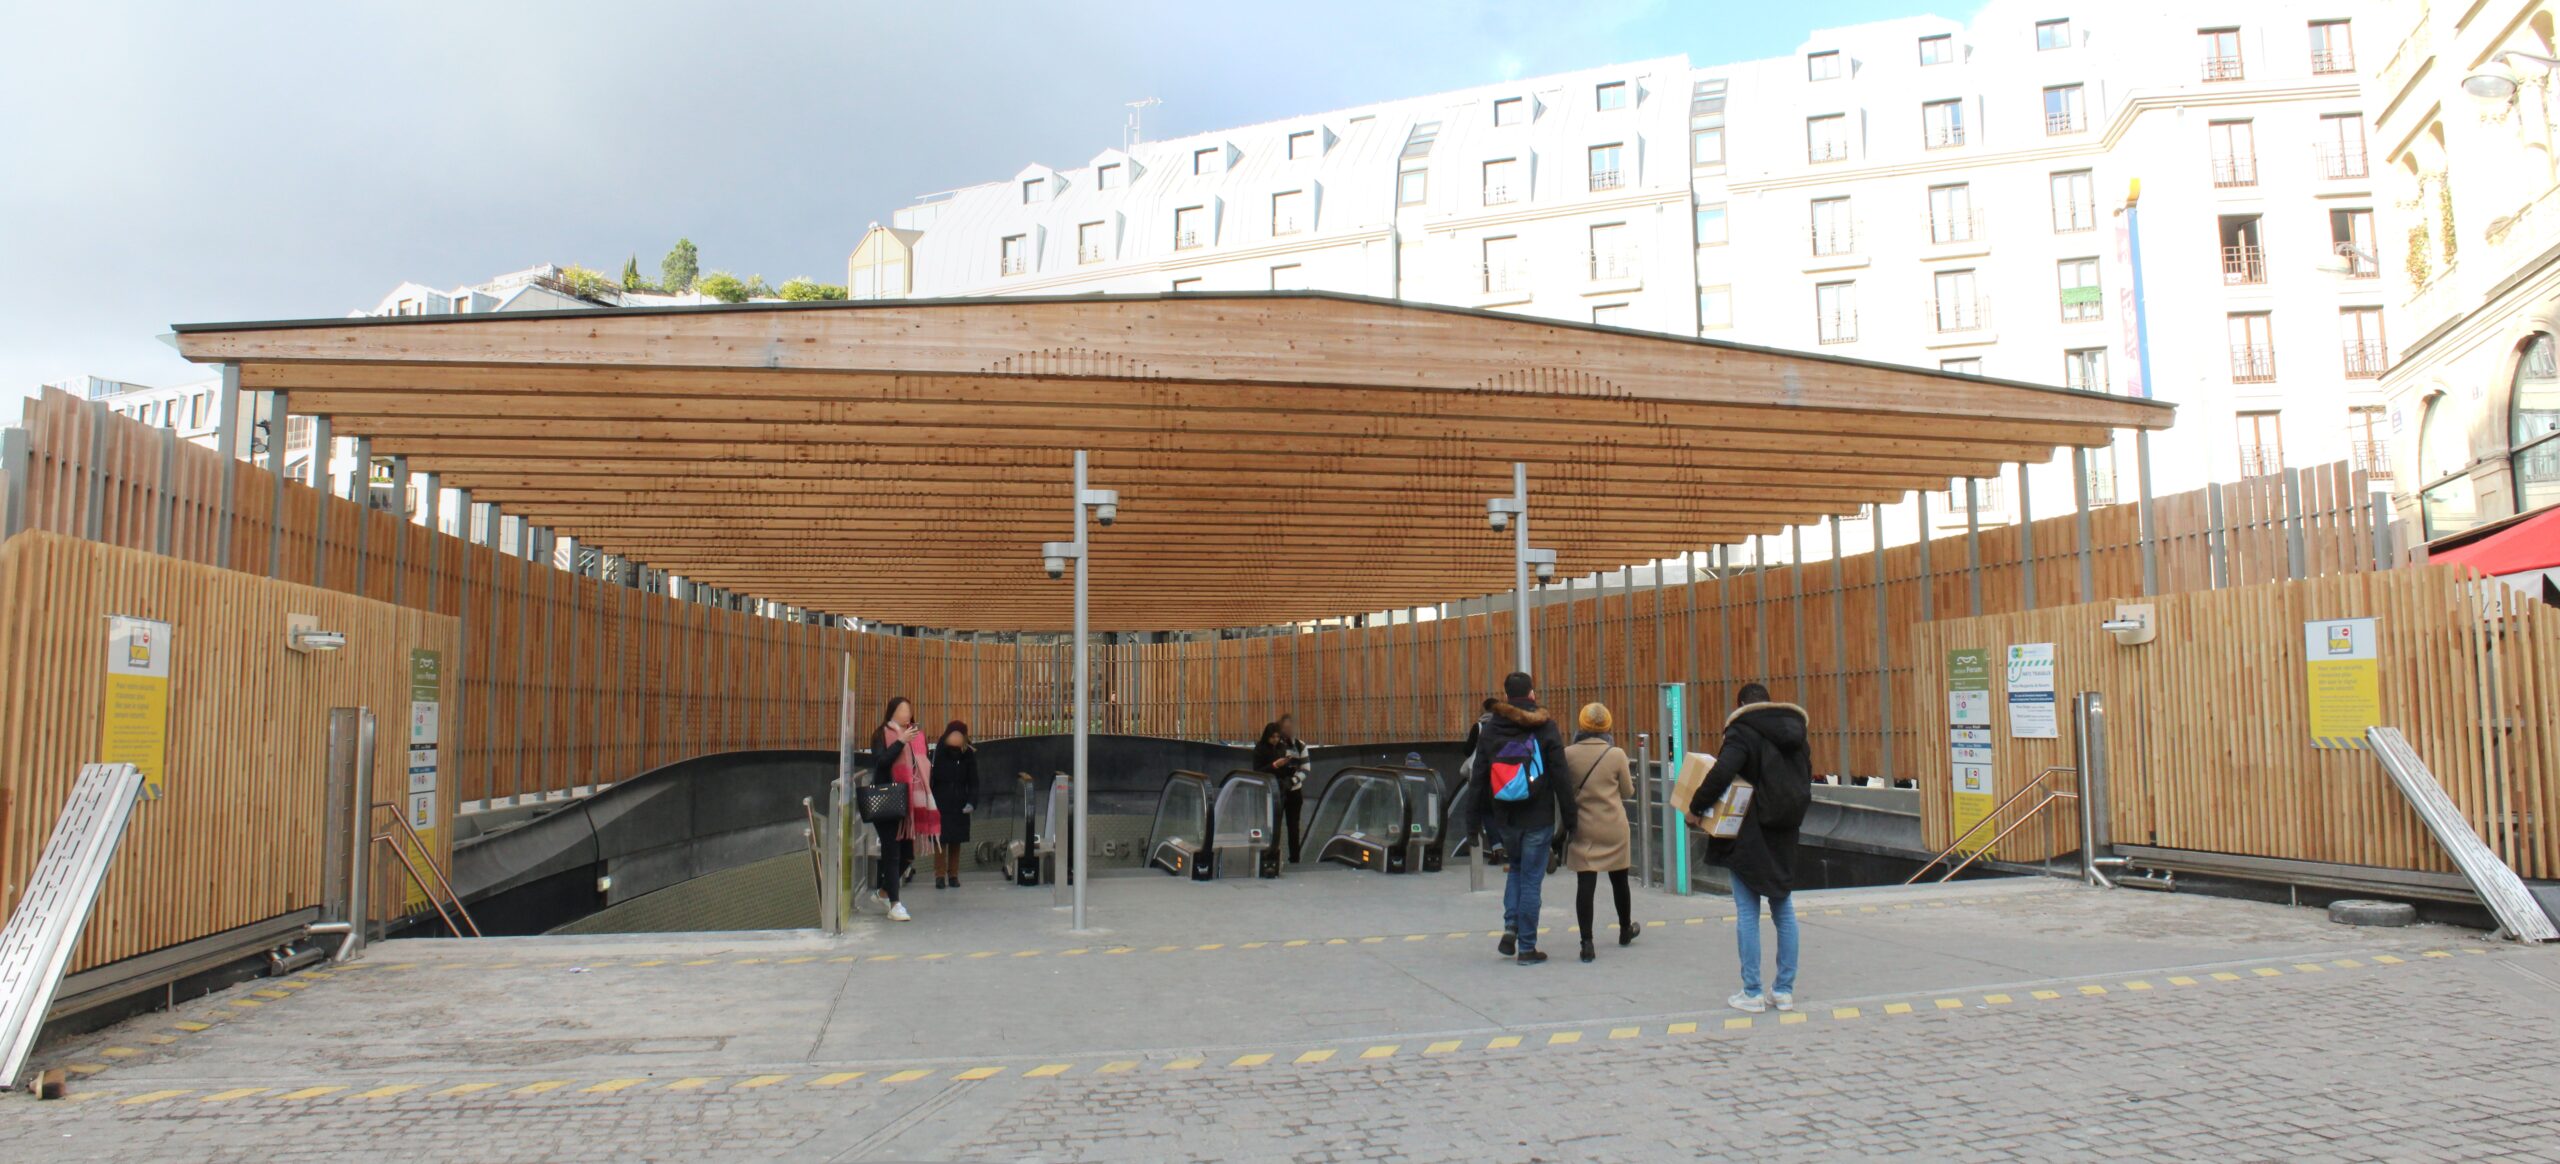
column 1765, row 750
column 1527, row 804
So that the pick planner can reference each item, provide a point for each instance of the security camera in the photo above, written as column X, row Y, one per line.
column 1054, row 555
column 1107, row 512
column 1498, row 520
column 1497, row 512
column 1546, row 571
column 1057, row 567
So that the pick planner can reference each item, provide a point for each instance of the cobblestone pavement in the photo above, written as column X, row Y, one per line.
column 2031, row 1021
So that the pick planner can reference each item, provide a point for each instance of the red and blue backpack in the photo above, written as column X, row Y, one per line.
column 1516, row 766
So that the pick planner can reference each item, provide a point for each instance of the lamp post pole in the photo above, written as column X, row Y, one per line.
column 1520, row 560
column 1084, row 697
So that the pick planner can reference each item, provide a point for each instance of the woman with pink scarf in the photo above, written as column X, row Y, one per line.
column 898, row 755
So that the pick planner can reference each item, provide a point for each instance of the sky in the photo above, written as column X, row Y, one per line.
column 183, row 161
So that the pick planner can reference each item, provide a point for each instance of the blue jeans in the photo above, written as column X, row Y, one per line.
column 1746, row 937
column 1528, row 876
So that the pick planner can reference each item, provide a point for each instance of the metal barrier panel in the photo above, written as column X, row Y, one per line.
column 36, row 946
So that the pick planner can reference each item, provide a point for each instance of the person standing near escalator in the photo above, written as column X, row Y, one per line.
column 898, row 757
column 1276, row 755
column 955, row 795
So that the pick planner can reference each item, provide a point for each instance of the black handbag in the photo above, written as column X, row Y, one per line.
column 876, row 803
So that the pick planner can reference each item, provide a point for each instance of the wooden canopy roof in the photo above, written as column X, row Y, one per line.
column 1278, row 456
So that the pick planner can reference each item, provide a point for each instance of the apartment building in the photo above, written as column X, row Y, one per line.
column 1928, row 191
column 2463, row 143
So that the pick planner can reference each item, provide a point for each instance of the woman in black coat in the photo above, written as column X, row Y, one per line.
column 955, row 790
column 1765, row 743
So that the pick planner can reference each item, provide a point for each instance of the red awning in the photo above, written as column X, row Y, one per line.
column 2529, row 543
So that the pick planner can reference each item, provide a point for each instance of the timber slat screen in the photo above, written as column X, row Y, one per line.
column 234, row 838
column 598, row 682
column 2209, row 745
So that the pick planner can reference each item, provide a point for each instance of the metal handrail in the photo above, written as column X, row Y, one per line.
column 420, row 843
column 1996, row 838
column 1993, row 815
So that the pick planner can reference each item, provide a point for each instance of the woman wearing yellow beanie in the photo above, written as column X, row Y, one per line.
column 1602, row 780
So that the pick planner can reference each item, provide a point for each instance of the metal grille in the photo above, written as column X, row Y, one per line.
column 40, row 936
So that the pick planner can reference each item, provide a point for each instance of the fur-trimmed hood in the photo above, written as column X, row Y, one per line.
column 1529, row 718
column 1782, row 724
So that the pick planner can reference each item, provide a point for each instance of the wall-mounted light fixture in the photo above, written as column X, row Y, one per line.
column 302, row 633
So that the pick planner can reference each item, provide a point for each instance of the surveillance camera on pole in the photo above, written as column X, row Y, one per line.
column 1054, row 556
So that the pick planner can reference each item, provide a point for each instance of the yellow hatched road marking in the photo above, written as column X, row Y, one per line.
column 1255, row 1060
column 2346, row 963
column 1997, row 999
column 2225, row 976
column 1897, row 1008
column 977, row 1073
column 1844, row 1012
column 311, row 1092
column 1046, row 1070
column 1314, row 1057
column 119, row 1052
column 1950, row 1004
column 690, row 1082
column 1737, row 1024
column 466, row 1089
column 1560, row 1038
column 1116, row 1067
column 1681, row 1029
column 609, row 1086
column 532, row 1088
column 837, row 1079
column 1183, row 1064
column 1211, row 946
column 1026, row 953
column 1503, row 1043
column 1791, row 1018
column 762, row 1081
column 2311, row 967
column 1381, row 1051
column 1293, row 943
column 2388, row 959
column 1625, row 1032
column 2181, row 980
column 2137, row 984
column 652, row 962
column 1442, row 1047
column 2044, row 995
column 798, row 960
column 387, row 1091
column 157, row 1096
column 234, row 1093
column 2267, row 972
column 702, row 961
column 2093, row 989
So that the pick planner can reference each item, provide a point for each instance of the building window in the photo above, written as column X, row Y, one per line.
column 1605, row 174
column 1715, row 308
column 1205, row 161
column 1412, row 186
column 2234, row 147
column 2333, row 48
column 1034, row 190
column 2221, row 53
column 2244, row 262
column 2253, row 347
column 2368, row 442
column 2101, row 463
column 1834, row 233
column 1186, row 227
column 2062, row 110
column 1289, row 277
column 1501, row 181
column 1826, row 138
column 1089, row 242
column 2053, row 34
column 2261, row 443
column 2360, row 333
column 1503, row 268
column 1942, row 124
column 1609, row 314
column 2075, row 203
column 1610, row 95
column 1958, row 305
column 2341, row 146
column 1108, row 176
column 1835, row 312
column 1706, row 147
column 1510, row 111
column 2085, row 369
column 1010, row 253
column 1711, row 225
column 1822, row 66
column 1611, row 257
column 2448, row 504
column 2351, row 236
column 1962, row 365
column 2534, row 424
column 1288, row 212
column 1190, row 284
column 2081, row 299
column 1706, row 123
column 1302, row 145
column 1951, row 214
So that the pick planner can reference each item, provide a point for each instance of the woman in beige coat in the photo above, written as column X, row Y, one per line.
column 1602, row 782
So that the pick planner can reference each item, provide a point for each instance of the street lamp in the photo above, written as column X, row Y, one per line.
column 2498, row 80
column 1054, row 557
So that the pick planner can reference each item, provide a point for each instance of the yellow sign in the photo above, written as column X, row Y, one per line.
column 134, row 715
column 2343, row 680
column 426, row 734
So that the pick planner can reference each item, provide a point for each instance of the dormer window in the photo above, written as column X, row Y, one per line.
column 1611, row 95
column 1510, row 111
column 1302, row 145
column 1206, row 161
column 1822, row 66
column 1109, row 177
column 1034, row 190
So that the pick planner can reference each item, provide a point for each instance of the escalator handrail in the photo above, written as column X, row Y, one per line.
column 1271, row 821
column 1207, row 807
column 1401, row 775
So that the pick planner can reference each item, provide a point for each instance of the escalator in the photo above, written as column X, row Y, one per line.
column 1204, row 834
column 1389, row 819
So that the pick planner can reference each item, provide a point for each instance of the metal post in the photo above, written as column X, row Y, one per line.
column 360, row 491
column 1644, row 809
column 2089, row 731
column 2293, row 552
column 317, row 476
column 94, row 518
column 278, row 420
column 1973, row 545
column 13, row 466
column 1840, row 646
column 1928, row 575
column 2150, row 530
column 2383, row 551
column 2080, row 518
column 2026, row 543
column 1795, row 605
column 2217, row 545
column 163, row 535
column 1084, row 837
column 226, row 438
column 399, row 525
column 1884, row 643
column 1520, row 560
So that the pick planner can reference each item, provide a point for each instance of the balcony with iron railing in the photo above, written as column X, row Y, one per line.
column 2340, row 162
column 1497, row 194
column 2102, row 478
column 1009, row 265
column 1953, row 227
column 1826, row 150
column 1835, row 327
column 2219, row 67
column 2253, row 365
column 2336, row 60
column 1503, row 275
column 1840, row 238
column 1610, row 179
column 1959, row 313
column 2083, row 304
column 2370, row 456
column 2231, row 172
column 2058, row 122
column 2360, row 265
column 2261, row 460
column 1987, row 492
column 1613, row 264
column 2243, row 264
column 1941, row 137
column 1088, row 253
column 2366, row 360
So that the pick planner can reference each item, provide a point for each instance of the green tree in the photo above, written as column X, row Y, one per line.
column 807, row 290
column 757, row 288
column 723, row 286
column 677, row 271
column 631, row 273
column 587, row 283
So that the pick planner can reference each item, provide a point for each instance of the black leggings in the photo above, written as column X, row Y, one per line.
column 1585, row 883
column 895, row 855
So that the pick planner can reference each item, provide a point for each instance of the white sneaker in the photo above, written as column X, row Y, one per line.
column 1785, row 1000
column 898, row 912
column 1752, row 1003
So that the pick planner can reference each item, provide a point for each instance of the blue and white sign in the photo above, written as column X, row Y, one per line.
column 2030, row 687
